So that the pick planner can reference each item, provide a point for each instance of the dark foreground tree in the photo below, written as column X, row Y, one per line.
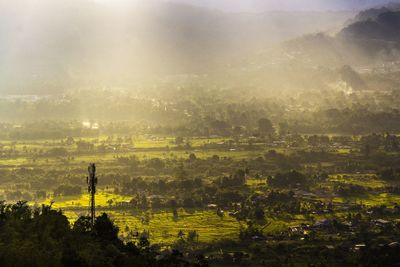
column 43, row 237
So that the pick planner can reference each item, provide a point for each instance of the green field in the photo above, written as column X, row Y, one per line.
column 162, row 225
column 164, row 228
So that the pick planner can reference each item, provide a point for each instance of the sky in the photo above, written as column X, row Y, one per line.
column 264, row 5
column 269, row 5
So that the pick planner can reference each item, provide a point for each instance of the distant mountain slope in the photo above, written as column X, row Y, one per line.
column 323, row 60
column 373, row 13
column 367, row 41
column 385, row 27
column 374, row 40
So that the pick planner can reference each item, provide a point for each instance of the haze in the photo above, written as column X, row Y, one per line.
column 50, row 46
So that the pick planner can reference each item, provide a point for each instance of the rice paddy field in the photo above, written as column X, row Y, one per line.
column 161, row 226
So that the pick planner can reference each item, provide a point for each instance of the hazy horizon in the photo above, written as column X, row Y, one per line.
column 285, row 5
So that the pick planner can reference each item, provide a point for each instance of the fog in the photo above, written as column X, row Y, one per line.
column 53, row 46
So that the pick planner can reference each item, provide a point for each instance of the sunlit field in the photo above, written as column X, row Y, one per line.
column 160, row 225
column 164, row 228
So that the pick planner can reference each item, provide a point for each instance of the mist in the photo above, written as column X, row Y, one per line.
column 152, row 51
column 58, row 45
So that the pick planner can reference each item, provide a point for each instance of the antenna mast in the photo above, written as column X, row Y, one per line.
column 91, row 180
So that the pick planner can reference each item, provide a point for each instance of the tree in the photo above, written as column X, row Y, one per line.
column 67, row 190
column 389, row 174
column 265, row 126
column 181, row 234
column 288, row 179
column 367, row 150
column 179, row 140
column 105, row 228
column 83, row 225
column 156, row 163
column 259, row 213
column 192, row 236
column 42, row 237
column 192, row 157
column 70, row 141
